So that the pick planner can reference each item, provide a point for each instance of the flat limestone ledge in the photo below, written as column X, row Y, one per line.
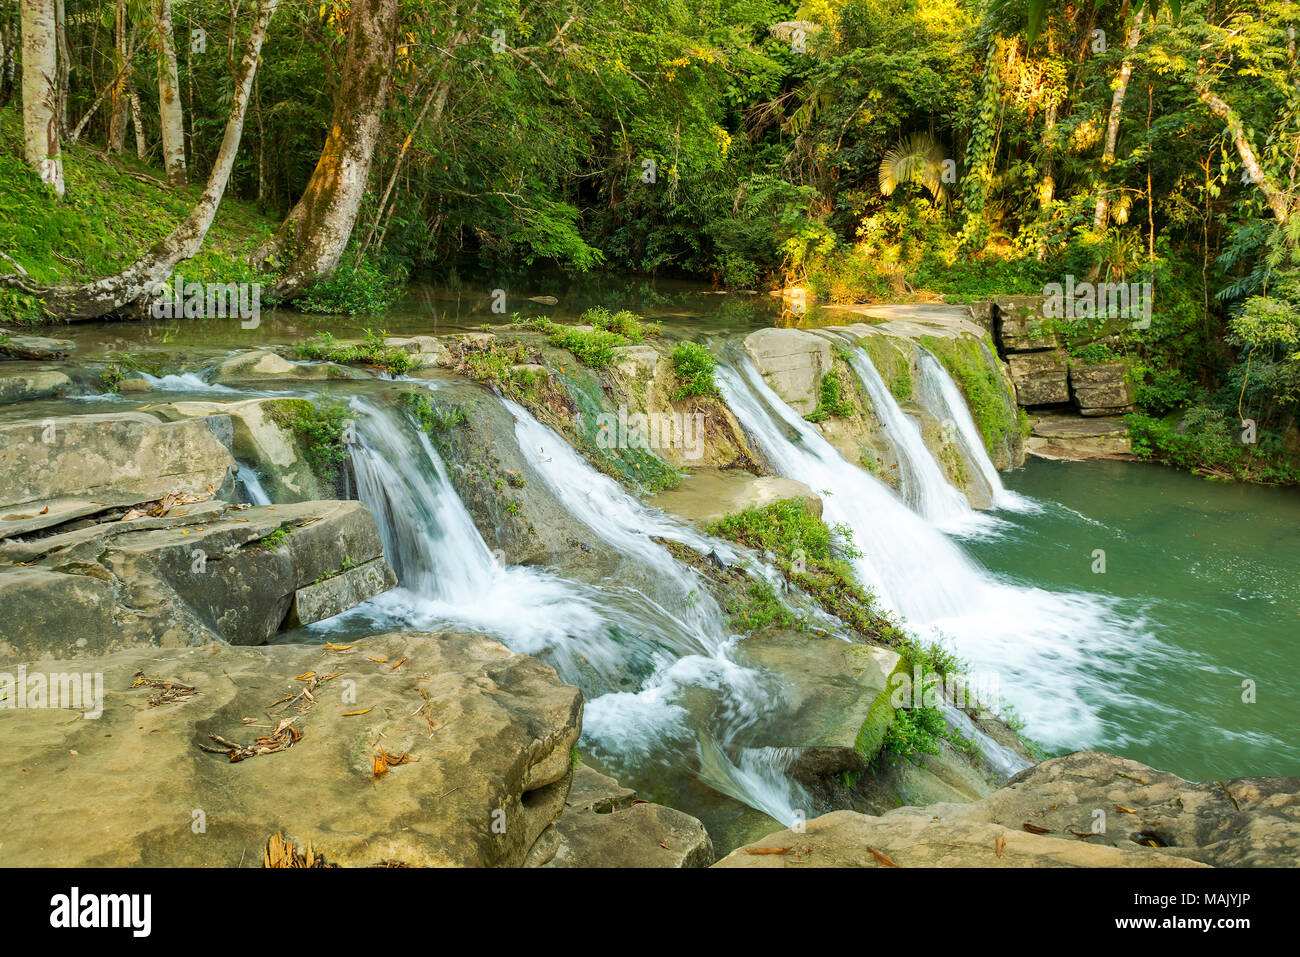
column 201, row 573
column 1167, row 822
column 836, row 704
column 17, row 346
column 77, row 465
column 909, row 321
column 603, row 825
column 706, row 495
column 490, row 746
column 260, row 442
column 1075, row 438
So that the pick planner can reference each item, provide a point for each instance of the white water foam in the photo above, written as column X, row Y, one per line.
column 1055, row 654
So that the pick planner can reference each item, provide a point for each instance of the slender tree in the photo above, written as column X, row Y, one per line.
column 318, row 227
column 146, row 275
column 170, row 110
column 40, row 93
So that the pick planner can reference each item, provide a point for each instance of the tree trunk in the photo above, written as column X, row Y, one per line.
column 319, row 226
column 7, row 34
column 137, row 123
column 65, row 63
column 40, row 97
column 1272, row 195
column 118, row 98
column 170, row 111
column 1116, row 111
column 144, row 277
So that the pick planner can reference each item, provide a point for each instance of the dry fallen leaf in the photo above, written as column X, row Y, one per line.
column 768, row 850
column 999, row 844
column 1035, row 829
column 373, row 658
column 1126, row 810
column 883, row 859
column 333, row 647
column 352, row 714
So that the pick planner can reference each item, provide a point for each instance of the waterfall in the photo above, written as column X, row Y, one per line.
column 1048, row 653
column 924, row 486
column 654, row 661
column 942, row 399
column 252, row 482
column 630, row 528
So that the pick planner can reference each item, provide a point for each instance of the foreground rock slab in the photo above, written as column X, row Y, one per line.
column 1074, row 437
column 57, row 469
column 477, row 741
column 202, row 572
column 1045, row 816
column 603, row 825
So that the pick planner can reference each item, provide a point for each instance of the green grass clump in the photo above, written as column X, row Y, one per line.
column 372, row 352
column 319, row 431
column 370, row 287
column 758, row 605
column 831, row 401
column 694, row 366
column 114, row 209
column 594, row 348
column 275, row 540
column 434, row 416
column 814, row 556
column 623, row 323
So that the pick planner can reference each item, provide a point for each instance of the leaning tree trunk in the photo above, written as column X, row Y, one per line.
column 40, row 97
column 1116, row 111
column 143, row 278
column 170, row 110
column 118, row 99
column 318, row 227
column 1275, row 198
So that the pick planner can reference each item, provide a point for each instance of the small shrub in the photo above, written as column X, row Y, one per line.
column 694, row 366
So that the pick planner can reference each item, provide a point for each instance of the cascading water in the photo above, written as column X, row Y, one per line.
column 642, row 655
column 1048, row 653
column 924, row 486
column 252, row 483
column 942, row 399
column 631, row 528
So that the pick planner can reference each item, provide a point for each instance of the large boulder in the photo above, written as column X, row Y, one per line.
column 475, row 740
column 1041, row 378
column 1021, row 325
column 792, row 362
column 1101, row 388
column 57, row 469
column 261, row 365
column 1084, row 809
column 18, row 386
column 836, row 703
column 16, row 346
column 262, row 442
column 604, row 825
column 196, row 573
